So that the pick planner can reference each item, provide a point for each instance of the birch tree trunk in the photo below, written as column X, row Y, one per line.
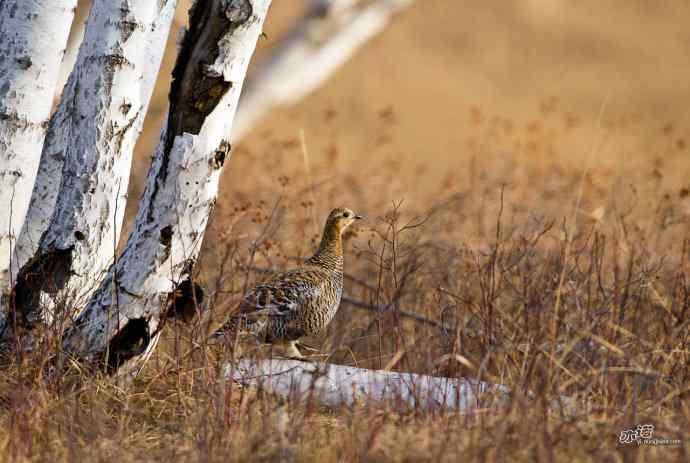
column 34, row 34
column 69, row 59
column 318, row 45
column 78, row 201
column 39, row 212
column 126, row 312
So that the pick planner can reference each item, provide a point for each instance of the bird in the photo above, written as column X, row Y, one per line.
column 301, row 301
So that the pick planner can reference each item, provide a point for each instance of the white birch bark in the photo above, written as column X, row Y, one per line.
column 127, row 310
column 338, row 385
column 334, row 386
column 318, row 45
column 79, row 198
column 69, row 59
column 33, row 38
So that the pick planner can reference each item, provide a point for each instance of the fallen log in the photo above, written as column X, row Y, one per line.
column 334, row 386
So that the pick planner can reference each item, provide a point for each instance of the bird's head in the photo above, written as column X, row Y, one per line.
column 341, row 217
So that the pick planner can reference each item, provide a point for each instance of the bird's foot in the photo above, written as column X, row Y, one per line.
column 293, row 352
column 308, row 347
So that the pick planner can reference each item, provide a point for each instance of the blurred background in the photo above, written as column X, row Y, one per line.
column 522, row 90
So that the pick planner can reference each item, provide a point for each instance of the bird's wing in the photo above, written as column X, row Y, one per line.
column 279, row 299
column 283, row 294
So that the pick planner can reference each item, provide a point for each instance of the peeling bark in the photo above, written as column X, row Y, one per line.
column 181, row 188
column 34, row 35
column 319, row 44
column 78, row 201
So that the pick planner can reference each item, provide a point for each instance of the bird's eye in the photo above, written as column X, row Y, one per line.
column 346, row 215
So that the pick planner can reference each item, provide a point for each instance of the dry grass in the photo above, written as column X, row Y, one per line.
column 591, row 304
column 544, row 247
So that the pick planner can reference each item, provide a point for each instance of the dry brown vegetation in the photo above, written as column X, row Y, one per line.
column 592, row 305
column 548, row 251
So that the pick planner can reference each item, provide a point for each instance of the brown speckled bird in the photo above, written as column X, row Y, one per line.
column 302, row 301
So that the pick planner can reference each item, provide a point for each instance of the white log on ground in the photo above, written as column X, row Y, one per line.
column 79, row 198
column 333, row 386
column 34, row 34
column 319, row 44
column 182, row 185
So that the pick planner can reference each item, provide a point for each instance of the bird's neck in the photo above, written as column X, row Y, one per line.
column 330, row 252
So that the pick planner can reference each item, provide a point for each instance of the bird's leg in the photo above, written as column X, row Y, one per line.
column 307, row 347
column 292, row 351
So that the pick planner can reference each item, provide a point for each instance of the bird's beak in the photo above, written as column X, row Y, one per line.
column 359, row 217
